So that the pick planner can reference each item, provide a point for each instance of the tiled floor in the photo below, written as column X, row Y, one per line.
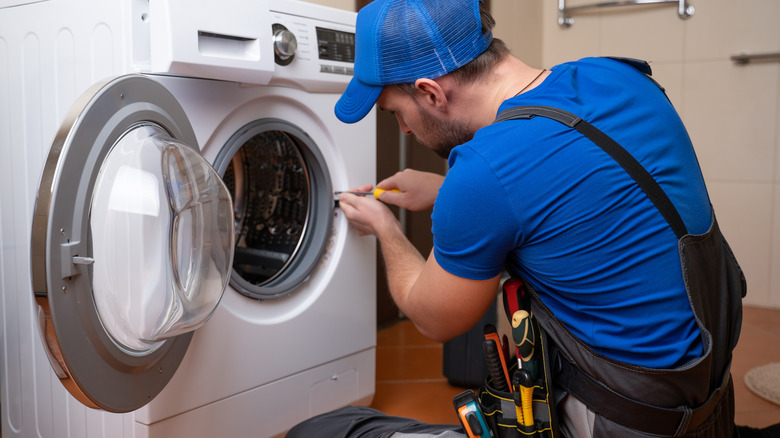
column 410, row 382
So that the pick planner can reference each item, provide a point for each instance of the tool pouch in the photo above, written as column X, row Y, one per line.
column 503, row 412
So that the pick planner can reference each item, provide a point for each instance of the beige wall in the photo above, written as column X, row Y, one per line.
column 732, row 112
column 348, row 5
column 519, row 25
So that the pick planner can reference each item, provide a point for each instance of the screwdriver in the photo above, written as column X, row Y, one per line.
column 524, row 387
column 525, row 337
column 495, row 366
column 376, row 192
column 492, row 334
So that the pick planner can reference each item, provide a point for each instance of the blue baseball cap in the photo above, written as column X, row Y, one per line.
column 400, row 41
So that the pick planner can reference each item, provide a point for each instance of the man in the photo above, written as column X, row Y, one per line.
column 538, row 197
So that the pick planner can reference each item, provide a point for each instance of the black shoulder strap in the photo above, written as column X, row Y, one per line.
column 614, row 150
column 643, row 66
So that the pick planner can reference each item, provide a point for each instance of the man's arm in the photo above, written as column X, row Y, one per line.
column 441, row 305
column 447, row 305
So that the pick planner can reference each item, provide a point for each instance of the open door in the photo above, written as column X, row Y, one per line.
column 132, row 243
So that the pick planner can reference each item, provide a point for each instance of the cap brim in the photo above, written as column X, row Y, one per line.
column 357, row 101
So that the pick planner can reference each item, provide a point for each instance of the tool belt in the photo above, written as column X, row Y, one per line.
column 501, row 411
column 517, row 398
column 556, row 376
column 520, row 408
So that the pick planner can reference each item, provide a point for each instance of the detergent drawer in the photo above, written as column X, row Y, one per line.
column 227, row 40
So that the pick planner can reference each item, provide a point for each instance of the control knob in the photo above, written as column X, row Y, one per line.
column 285, row 45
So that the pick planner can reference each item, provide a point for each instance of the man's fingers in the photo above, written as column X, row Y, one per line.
column 390, row 197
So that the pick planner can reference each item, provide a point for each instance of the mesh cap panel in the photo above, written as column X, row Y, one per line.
column 428, row 39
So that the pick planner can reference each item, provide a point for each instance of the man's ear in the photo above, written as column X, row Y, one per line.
column 430, row 93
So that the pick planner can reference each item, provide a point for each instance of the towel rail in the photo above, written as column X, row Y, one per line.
column 684, row 10
column 745, row 58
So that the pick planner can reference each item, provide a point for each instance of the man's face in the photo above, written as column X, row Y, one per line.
column 438, row 134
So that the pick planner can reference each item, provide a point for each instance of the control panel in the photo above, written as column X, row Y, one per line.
column 316, row 54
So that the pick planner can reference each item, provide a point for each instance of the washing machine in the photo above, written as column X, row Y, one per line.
column 173, row 261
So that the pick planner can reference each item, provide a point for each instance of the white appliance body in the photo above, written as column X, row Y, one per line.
column 258, row 366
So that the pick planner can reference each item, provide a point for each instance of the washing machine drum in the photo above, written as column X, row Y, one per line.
column 283, row 205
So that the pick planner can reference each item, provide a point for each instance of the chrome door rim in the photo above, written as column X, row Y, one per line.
column 90, row 365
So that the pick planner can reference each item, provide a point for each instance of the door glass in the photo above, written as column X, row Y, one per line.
column 161, row 222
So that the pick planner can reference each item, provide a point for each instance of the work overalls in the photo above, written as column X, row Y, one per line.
column 624, row 400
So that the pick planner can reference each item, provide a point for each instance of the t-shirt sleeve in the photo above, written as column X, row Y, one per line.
column 473, row 227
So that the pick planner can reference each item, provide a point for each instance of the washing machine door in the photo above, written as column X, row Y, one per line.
column 132, row 243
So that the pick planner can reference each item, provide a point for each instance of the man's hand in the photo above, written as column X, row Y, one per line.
column 367, row 215
column 418, row 189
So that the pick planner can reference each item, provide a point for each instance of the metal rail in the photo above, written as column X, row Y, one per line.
column 745, row 58
column 684, row 10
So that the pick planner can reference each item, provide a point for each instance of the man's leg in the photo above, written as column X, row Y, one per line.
column 364, row 422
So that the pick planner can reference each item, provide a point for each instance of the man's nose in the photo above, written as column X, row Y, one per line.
column 404, row 127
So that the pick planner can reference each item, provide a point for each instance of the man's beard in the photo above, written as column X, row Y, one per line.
column 442, row 136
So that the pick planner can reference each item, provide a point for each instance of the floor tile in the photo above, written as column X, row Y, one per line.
column 402, row 334
column 409, row 363
column 759, row 344
column 428, row 401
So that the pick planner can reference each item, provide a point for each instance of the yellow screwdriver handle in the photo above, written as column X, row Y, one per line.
column 527, row 400
column 525, row 386
column 378, row 192
column 519, row 413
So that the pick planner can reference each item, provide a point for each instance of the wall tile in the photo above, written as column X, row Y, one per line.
column 731, row 113
column 569, row 44
column 773, row 296
column 519, row 25
column 507, row 29
column 348, row 5
column 653, row 33
column 777, row 129
column 721, row 28
column 773, row 299
column 744, row 212
column 670, row 76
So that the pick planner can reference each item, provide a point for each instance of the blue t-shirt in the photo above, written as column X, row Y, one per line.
column 543, row 198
